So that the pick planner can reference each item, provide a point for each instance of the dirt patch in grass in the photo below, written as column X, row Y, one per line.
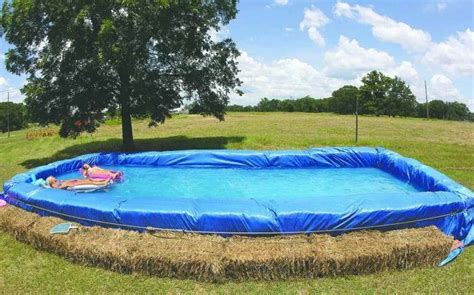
column 214, row 258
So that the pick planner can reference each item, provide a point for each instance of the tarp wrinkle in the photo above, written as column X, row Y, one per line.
column 441, row 201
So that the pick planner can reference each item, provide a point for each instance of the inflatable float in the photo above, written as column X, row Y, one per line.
column 102, row 176
column 82, row 188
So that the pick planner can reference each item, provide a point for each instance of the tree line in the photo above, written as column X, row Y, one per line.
column 13, row 116
column 378, row 95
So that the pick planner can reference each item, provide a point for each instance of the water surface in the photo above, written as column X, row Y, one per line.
column 257, row 183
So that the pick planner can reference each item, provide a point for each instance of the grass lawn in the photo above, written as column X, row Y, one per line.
column 446, row 146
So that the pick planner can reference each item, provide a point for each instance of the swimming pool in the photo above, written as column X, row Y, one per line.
column 330, row 190
column 261, row 184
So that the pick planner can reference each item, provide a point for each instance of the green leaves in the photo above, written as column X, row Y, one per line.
column 383, row 95
column 343, row 100
column 13, row 116
column 143, row 57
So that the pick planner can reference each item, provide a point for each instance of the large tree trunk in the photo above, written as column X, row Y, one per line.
column 127, row 133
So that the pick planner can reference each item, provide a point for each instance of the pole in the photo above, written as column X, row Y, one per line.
column 357, row 118
column 427, row 105
column 8, row 113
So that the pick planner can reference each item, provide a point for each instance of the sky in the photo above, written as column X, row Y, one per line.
column 293, row 48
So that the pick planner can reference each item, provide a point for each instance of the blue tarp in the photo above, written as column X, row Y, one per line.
column 440, row 202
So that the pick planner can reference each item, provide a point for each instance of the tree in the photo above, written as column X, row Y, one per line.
column 382, row 95
column 343, row 100
column 286, row 105
column 195, row 108
column 305, row 104
column 438, row 109
column 400, row 101
column 13, row 116
column 457, row 111
column 142, row 58
column 239, row 108
column 374, row 87
column 268, row 105
column 322, row 105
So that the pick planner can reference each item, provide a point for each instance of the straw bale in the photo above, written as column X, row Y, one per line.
column 214, row 258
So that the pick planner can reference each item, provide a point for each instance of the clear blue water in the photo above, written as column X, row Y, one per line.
column 262, row 184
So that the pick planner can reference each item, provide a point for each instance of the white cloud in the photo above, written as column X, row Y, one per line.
column 284, row 78
column 315, row 36
column 349, row 59
column 220, row 35
column 455, row 55
column 441, row 6
column 288, row 29
column 313, row 17
column 293, row 78
column 313, row 20
column 406, row 72
column 15, row 96
column 281, row 2
column 14, row 93
column 386, row 29
column 441, row 87
column 343, row 9
column 432, row 6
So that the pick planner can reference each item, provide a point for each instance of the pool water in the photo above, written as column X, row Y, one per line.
column 256, row 183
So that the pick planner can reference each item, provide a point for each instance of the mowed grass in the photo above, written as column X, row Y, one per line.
column 446, row 146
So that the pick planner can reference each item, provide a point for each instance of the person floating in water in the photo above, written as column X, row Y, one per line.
column 97, row 173
column 71, row 184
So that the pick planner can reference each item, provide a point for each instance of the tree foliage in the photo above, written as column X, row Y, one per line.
column 400, row 100
column 142, row 58
column 343, row 100
column 439, row 109
column 383, row 95
column 378, row 95
column 13, row 114
column 305, row 104
column 457, row 111
column 373, row 93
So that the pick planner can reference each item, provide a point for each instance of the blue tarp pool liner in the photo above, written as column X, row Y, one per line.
column 440, row 201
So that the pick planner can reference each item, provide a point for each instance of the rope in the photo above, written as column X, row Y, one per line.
column 151, row 228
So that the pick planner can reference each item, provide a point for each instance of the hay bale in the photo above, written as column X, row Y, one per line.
column 214, row 258
column 16, row 222
column 267, row 258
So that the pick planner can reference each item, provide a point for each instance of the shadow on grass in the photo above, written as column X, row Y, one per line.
column 150, row 144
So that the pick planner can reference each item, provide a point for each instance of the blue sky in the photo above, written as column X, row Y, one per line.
column 292, row 48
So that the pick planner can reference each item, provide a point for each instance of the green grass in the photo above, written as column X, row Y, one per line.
column 446, row 146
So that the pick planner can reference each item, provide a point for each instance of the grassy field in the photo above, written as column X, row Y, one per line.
column 446, row 146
